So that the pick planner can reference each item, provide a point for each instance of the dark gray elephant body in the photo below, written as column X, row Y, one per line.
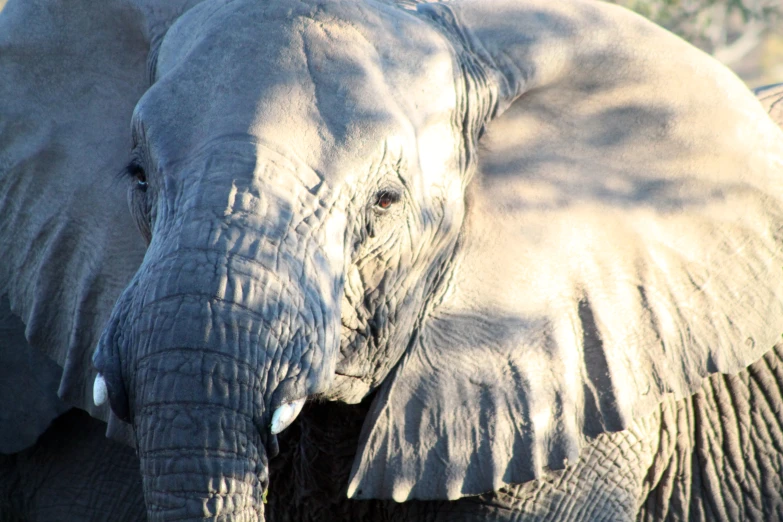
column 519, row 244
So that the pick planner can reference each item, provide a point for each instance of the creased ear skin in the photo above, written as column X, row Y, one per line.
column 622, row 242
column 70, row 75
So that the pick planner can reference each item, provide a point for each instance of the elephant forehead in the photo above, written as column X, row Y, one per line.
column 331, row 83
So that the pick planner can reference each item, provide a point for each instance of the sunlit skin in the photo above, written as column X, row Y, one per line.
column 375, row 260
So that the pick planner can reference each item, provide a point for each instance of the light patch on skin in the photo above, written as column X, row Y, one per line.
column 395, row 145
column 437, row 157
column 291, row 171
column 232, row 195
column 542, row 417
column 402, row 489
column 565, row 334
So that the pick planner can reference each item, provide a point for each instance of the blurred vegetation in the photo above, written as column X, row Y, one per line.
column 746, row 35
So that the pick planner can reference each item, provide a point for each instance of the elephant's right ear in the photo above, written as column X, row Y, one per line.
column 70, row 75
column 622, row 242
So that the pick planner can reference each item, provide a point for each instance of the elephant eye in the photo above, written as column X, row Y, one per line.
column 386, row 198
column 137, row 172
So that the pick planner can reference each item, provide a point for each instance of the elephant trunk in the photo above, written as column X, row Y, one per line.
column 202, row 397
column 229, row 319
column 204, row 375
column 202, row 455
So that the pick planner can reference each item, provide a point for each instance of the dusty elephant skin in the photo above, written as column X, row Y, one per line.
column 377, row 260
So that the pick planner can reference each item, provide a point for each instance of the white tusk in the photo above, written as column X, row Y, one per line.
column 285, row 415
column 99, row 391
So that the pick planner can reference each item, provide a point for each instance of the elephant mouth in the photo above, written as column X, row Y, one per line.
column 357, row 370
column 352, row 362
column 348, row 388
column 362, row 378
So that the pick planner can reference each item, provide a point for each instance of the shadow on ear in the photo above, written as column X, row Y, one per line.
column 622, row 242
column 70, row 76
column 28, row 387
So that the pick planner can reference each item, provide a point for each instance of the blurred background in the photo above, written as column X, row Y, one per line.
column 746, row 35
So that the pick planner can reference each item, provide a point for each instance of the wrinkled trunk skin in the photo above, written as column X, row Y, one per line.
column 198, row 406
column 206, row 374
column 201, row 454
column 232, row 314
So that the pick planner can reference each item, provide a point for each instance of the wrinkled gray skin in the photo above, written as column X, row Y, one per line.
column 510, row 252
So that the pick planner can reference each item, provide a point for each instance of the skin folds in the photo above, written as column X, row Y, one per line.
column 495, row 258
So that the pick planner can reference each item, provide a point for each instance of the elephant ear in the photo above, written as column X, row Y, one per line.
column 70, row 76
column 622, row 242
column 28, row 386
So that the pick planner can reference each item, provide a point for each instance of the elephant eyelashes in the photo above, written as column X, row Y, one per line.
column 136, row 171
column 383, row 202
column 385, row 199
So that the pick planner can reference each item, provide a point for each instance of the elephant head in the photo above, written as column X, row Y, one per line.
column 520, row 224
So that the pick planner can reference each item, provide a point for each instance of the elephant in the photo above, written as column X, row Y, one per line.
column 384, row 260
